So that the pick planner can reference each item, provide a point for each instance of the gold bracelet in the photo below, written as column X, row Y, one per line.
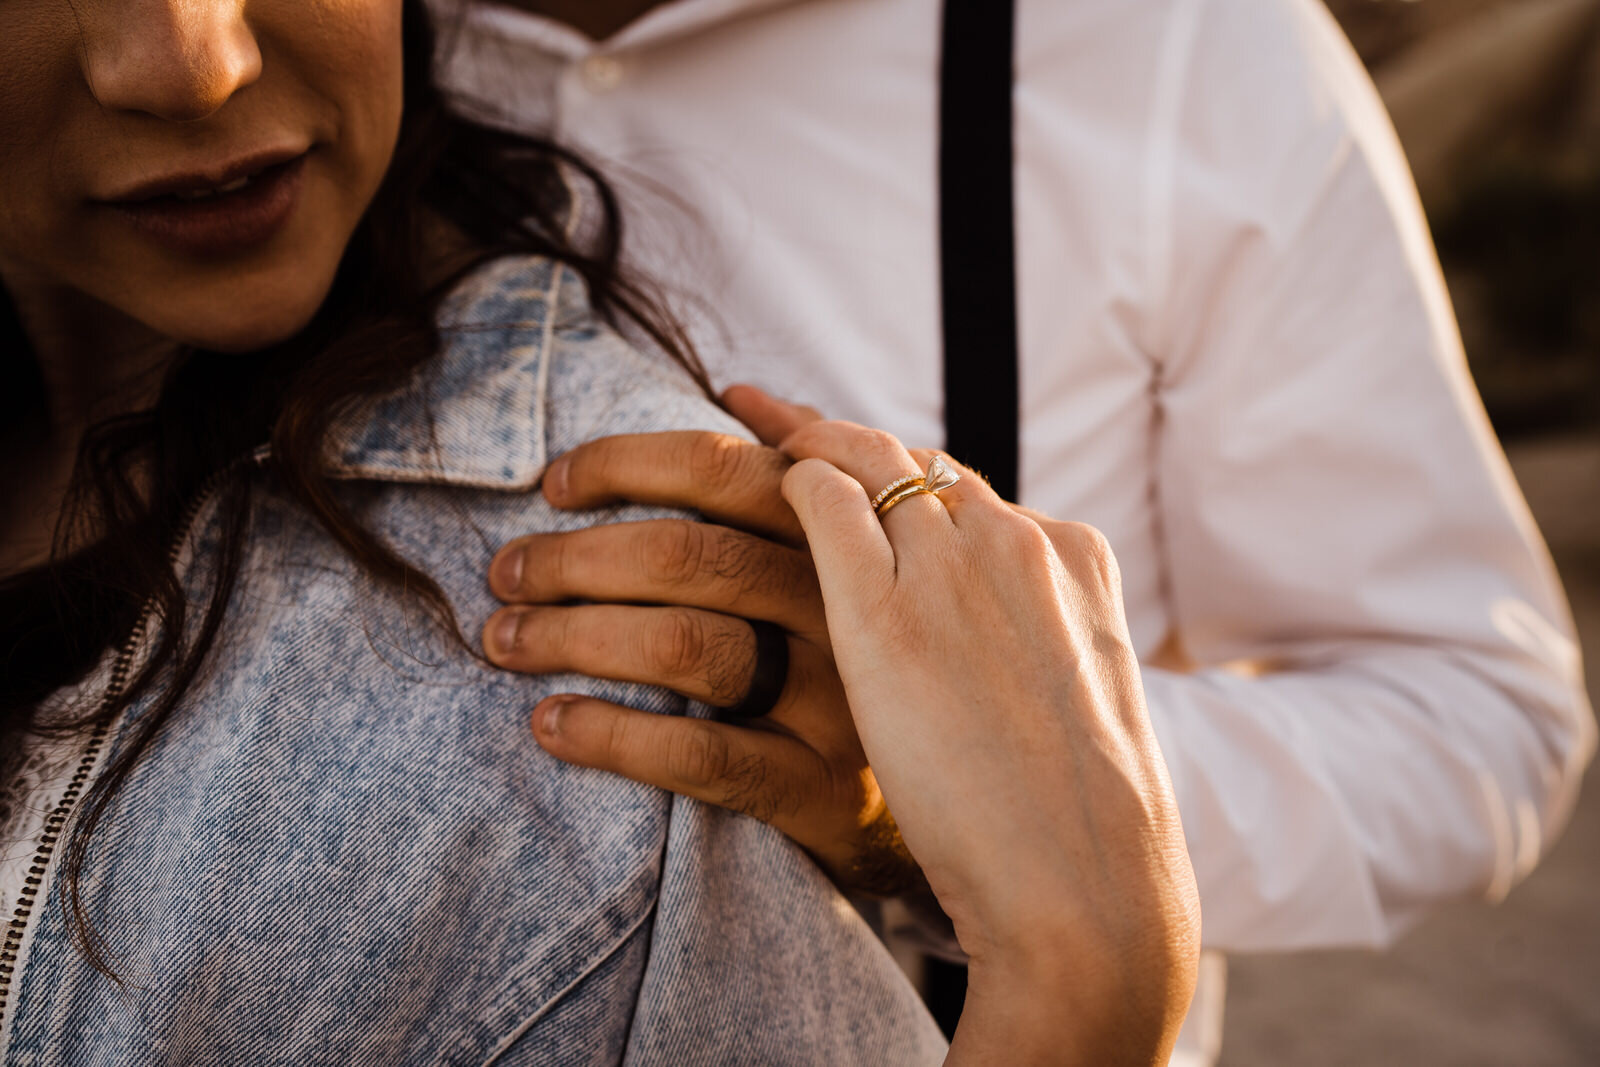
column 905, row 494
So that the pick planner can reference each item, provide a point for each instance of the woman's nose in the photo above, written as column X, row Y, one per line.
column 175, row 59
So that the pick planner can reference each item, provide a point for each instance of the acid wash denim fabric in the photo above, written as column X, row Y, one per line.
column 346, row 848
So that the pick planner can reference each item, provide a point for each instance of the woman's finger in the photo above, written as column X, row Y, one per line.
column 1082, row 550
column 727, row 479
column 664, row 561
column 853, row 557
column 879, row 462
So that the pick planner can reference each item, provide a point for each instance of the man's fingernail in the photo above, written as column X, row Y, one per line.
column 555, row 480
column 548, row 720
column 505, row 573
column 504, row 631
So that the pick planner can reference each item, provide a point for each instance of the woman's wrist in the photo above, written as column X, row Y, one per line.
column 1098, row 975
column 1058, row 1000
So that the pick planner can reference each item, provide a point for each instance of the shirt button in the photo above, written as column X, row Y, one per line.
column 601, row 73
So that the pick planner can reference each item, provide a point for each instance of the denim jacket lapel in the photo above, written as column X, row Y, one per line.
column 474, row 416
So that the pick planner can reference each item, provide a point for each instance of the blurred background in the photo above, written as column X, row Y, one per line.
column 1498, row 105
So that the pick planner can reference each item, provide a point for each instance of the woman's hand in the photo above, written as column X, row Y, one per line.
column 989, row 669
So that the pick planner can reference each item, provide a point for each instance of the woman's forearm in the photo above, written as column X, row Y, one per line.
column 988, row 667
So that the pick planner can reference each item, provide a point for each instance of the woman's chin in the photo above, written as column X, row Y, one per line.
column 246, row 326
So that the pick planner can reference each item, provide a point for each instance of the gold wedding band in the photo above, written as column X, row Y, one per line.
column 888, row 490
column 905, row 493
column 940, row 476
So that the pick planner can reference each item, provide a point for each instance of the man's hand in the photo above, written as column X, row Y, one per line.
column 667, row 606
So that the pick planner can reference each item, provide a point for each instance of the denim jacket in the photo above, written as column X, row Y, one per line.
column 345, row 846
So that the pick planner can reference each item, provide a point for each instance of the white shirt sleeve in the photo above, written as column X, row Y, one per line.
column 1388, row 707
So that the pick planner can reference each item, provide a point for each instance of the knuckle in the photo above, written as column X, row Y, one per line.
column 539, row 566
column 764, row 464
column 788, row 577
column 837, row 499
column 675, row 553
column 618, row 740
column 590, row 463
column 728, row 665
column 749, row 787
column 745, row 562
column 680, row 554
column 715, row 458
column 1023, row 548
column 698, row 755
column 555, row 631
column 1087, row 554
column 823, row 438
column 793, row 578
column 553, row 565
column 1090, row 541
column 678, row 643
column 882, row 443
column 1090, row 546
column 1024, row 537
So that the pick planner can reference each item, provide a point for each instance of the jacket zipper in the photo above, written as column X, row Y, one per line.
column 55, row 823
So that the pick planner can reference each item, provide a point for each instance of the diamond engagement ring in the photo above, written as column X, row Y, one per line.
column 939, row 477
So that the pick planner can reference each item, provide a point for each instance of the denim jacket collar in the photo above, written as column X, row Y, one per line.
column 474, row 416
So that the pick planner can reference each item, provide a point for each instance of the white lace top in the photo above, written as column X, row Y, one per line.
column 25, row 803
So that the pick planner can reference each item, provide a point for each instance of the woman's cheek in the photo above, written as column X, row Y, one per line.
column 359, row 65
column 39, row 88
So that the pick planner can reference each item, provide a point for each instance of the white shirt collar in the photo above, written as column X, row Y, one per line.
column 672, row 20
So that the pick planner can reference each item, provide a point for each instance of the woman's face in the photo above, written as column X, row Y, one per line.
column 198, row 165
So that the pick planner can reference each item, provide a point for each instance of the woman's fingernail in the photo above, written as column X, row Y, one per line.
column 504, row 631
column 505, row 573
column 548, row 719
column 555, row 480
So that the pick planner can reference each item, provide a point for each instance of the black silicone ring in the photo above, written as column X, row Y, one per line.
column 771, row 673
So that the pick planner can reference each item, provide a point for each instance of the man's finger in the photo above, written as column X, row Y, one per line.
column 728, row 480
column 760, row 773
column 701, row 655
column 664, row 561
column 769, row 418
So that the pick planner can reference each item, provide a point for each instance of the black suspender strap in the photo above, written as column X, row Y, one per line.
column 977, row 239
column 978, row 283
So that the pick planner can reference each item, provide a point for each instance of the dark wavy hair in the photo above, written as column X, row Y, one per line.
column 138, row 477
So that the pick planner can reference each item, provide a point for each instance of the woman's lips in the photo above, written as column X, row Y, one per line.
column 218, row 224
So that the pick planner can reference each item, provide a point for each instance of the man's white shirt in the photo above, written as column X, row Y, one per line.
column 1238, row 361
